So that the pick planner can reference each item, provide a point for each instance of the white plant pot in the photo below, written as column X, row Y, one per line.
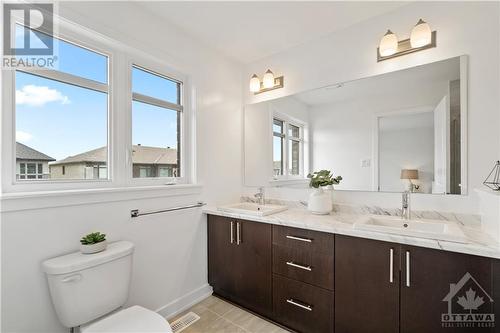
column 93, row 248
column 320, row 201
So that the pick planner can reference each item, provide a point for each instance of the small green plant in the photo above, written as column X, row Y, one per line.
column 323, row 178
column 93, row 238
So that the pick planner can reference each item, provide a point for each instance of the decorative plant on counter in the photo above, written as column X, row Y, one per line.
column 93, row 243
column 93, row 238
column 320, row 201
column 323, row 178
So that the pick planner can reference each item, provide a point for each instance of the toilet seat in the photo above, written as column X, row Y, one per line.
column 134, row 319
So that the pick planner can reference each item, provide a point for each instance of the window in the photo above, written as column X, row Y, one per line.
column 288, row 159
column 30, row 171
column 156, row 125
column 61, row 115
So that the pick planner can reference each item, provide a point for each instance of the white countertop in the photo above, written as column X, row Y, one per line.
column 342, row 224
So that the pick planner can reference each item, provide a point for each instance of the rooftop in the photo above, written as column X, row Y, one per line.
column 140, row 155
column 24, row 152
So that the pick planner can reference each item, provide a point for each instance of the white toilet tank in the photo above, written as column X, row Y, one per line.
column 87, row 286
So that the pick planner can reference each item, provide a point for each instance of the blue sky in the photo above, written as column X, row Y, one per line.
column 61, row 120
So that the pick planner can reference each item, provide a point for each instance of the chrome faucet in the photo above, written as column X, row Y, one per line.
column 405, row 206
column 261, row 196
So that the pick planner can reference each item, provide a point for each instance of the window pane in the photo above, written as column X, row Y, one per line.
column 60, row 125
column 31, row 168
column 71, row 58
column 293, row 131
column 40, row 168
column 277, row 156
column 156, row 86
column 22, row 167
column 294, row 157
column 277, row 126
column 155, row 139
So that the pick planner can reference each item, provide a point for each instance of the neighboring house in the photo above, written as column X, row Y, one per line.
column 147, row 162
column 31, row 164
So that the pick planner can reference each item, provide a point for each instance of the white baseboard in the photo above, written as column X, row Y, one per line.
column 185, row 302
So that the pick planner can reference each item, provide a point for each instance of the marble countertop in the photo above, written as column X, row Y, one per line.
column 480, row 244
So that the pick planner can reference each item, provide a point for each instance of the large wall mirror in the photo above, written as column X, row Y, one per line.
column 404, row 130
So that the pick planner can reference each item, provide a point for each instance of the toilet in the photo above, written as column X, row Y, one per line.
column 88, row 291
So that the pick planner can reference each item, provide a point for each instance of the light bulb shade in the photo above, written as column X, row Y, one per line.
column 254, row 83
column 268, row 79
column 421, row 34
column 388, row 44
column 409, row 174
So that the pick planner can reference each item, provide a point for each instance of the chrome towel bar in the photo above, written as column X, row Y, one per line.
column 136, row 213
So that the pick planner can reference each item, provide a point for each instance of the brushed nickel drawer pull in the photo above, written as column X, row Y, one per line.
column 238, row 233
column 306, row 268
column 391, row 265
column 307, row 240
column 302, row 306
column 232, row 232
column 408, row 268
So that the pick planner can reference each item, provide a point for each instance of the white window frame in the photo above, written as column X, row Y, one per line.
column 153, row 66
column 120, row 58
column 287, row 121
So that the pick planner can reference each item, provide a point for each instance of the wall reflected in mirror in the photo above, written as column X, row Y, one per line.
column 403, row 130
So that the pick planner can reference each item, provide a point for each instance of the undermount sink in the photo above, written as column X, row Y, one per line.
column 254, row 209
column 431, row 229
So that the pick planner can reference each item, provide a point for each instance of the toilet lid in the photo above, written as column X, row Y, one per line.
column 133, row 319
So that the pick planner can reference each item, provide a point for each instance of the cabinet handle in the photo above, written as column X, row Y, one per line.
column 306, row 268
column 407, row 268
column 232, row 232
column 307, row 240
column 238, row 233
column 302, row 306
column 391, row 265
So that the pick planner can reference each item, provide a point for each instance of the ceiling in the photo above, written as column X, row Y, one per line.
column 249, row 31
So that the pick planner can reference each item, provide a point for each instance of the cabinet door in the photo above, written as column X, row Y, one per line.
column 253, row 266
column 221, row 245
column 366, row 294
column 426, row 287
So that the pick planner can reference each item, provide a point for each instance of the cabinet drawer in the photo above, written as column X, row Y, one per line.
column 315, row 268
column 302, row 307
column 304, row 240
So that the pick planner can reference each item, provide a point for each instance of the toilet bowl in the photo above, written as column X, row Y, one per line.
column 132, row 319
column 88, row 291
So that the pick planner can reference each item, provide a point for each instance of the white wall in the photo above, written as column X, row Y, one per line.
column 463, row 28
column 170, row 265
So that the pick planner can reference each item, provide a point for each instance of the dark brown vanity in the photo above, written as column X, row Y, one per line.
column 312, row 281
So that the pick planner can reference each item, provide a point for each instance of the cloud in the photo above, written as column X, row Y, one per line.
column 23, row 136
column 32, row 95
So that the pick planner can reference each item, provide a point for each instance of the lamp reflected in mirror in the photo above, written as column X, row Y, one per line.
column 410, row 174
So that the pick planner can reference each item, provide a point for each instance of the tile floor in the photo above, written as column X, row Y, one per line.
column 218, row 316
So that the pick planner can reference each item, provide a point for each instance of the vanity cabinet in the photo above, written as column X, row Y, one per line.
column 239, row 262
column 387, row 287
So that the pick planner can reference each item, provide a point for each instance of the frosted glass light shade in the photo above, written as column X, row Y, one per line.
column 388, row 44
column 268, row 79
column 254, row 83
column 421, row 34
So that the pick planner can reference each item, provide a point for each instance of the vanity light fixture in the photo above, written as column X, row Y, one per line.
column 421, row 38
column 254, row 83
column 269, row 82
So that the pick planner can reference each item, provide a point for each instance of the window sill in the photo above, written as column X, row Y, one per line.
column 10, row 202
column 288, row 181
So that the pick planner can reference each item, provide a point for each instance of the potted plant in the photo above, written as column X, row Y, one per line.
column 93, row 243
column 320, row 200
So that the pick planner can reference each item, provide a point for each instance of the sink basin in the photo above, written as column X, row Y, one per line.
column 249, row 208
column 432, row 229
